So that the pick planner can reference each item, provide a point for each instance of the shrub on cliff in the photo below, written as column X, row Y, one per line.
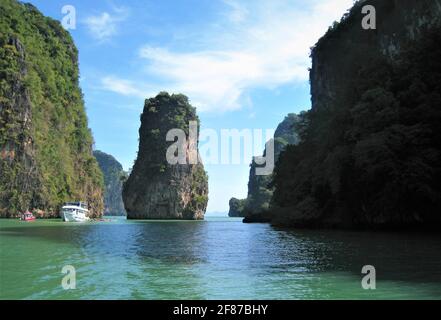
column 237, row 207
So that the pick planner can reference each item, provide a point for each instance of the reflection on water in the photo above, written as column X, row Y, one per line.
column 214, row 259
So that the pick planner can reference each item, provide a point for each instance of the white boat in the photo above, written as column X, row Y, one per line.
column 75, row 212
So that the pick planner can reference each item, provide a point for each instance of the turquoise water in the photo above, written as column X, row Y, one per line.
column 220, row 258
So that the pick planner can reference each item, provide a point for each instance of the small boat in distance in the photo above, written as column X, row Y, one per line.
column 27, row 216
column 75, row 212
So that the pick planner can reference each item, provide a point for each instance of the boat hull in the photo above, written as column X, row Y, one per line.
column 27, row 219
column 75, row 217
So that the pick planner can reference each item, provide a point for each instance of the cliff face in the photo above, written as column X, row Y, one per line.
column 347, row 47
column 237, row 207
column 114, row 175
column 370, row 149
column 45, row 144
column 156, row 189
column 256, row 206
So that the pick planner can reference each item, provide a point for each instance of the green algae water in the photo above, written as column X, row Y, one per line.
column 219, row 258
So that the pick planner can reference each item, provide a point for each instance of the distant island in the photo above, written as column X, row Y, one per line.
column 114, row 177
column 256, row 207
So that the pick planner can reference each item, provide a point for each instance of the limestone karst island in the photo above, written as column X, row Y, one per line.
column 157, row 189
column 220, row 150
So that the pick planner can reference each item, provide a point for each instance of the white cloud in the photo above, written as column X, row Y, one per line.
column 206, row 77
column 123, row 87
column 238, row 12
column 267, row 46
column 105, row 25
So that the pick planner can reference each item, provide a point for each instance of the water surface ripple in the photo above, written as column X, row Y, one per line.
column 219, row 258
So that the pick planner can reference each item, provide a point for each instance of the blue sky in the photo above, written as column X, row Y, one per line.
column 243, row 64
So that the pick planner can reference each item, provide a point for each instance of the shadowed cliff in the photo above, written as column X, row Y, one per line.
column 370, row 153
column 114, row 176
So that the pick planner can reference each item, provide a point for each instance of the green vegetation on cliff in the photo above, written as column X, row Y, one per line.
column 237, row 207
column 114, row 176
column 45, row 143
